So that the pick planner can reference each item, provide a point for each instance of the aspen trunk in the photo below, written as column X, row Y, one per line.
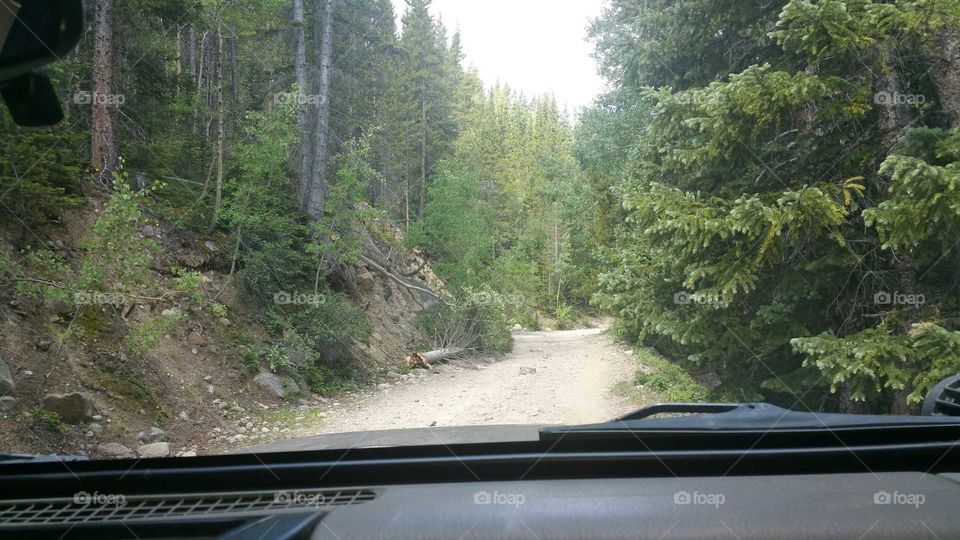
column 218, row 189
column 318, row 186
column 303, row 115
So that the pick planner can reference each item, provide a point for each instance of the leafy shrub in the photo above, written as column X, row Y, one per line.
column 669, row 380
column 147, row 335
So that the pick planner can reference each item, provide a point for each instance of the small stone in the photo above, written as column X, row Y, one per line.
column 518, row 328
column 433, row 423
column 209, row 388
column 95, row 428
column 197, row 338
column 248, row 425
column 189, row 453
column 393, row 375
column 208, row 378
column 97, row 417
column 225, row 321
column 527, row 370
column 170, row 312
column 222, row 406
column 154, row 450
column 43, row 344
column 211, row 247
column 7, row 403
column 383, row 386
column 184, row 416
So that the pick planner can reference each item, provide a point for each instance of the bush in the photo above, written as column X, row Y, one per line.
column 476, row 320
column 669, row 380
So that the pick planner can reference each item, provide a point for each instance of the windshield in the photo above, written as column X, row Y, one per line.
column 263, row 220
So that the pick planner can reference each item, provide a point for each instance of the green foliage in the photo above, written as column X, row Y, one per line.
column 39, row 175
column 117, row 256
column 668, row 380
column 49, row 421
column 477, row 320
column 755, row 206
column 146, row 335
column 190, row 284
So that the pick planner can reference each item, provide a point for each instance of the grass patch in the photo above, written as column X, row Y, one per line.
column 668, row 380
column 49, row 421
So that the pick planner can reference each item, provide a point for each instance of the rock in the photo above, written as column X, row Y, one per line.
column 7, row 403
column 248, row 425
column 225, row 321
column 150, row 231
column 222, row 405
column 208, row 378
column 517, row 328
column 366, row 281
column 433, row 423
column 189, row 453
column 6, row 379
column 527, row 370
column 280, row 387
column 115, row 450
column 97, row 417
column 383, row 386
column 58, row 307
column 394, row 375
column 152, row 435
column 95, row 428
column 43, row 344
column 73, row 408
column 170, row 312
column 211, row 247
column 154, row 450
column 196, row 338
column 184, row 416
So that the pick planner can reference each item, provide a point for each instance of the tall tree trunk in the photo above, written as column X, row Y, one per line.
column 192, row 52
column 179, row 50
column 894, row 118
column 103, row 151
column 218, row 191
column 303, row 115
column 318, row 185
column 234, row 77
column 946, row 71
column 423, row 154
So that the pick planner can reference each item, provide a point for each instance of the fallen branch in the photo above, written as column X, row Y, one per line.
column 390, row 275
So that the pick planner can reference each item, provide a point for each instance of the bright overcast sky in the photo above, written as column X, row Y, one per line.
column 535, row 46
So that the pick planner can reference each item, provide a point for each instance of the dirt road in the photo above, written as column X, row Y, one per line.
column 549, row 378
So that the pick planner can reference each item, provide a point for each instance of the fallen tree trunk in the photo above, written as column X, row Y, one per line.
column 425, row 360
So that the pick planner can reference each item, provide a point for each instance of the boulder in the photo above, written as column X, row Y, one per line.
column 279, row 387
column 6, row 379
column 366, row 281
column 154, row 450
column 152, row 435
column 115, row 450
column 73, row 408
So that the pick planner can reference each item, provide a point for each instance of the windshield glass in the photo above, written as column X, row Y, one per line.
column 263, row 220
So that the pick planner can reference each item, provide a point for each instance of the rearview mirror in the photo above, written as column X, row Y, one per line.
column 35, row 33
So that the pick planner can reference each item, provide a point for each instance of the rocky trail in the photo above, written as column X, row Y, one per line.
column 550, row 378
